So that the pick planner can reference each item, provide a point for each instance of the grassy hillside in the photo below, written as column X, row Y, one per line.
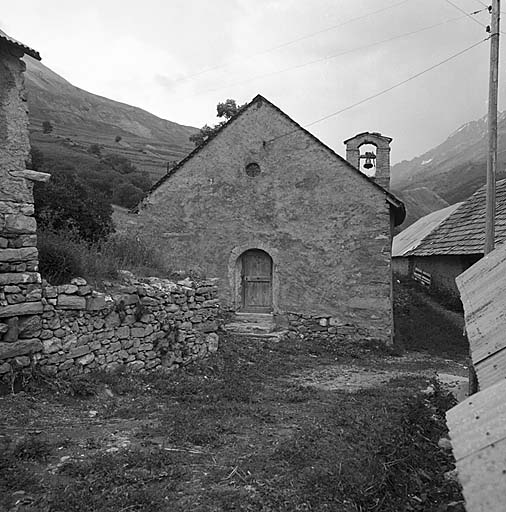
column 80, row 119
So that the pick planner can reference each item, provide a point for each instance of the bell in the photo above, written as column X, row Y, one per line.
column 368, row 163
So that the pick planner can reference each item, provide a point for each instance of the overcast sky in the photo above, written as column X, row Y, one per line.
column 179, row 58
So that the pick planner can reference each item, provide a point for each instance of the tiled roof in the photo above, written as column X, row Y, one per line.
column 410, row 238
column 398, row 205
column 463, row 232
column 21, row 46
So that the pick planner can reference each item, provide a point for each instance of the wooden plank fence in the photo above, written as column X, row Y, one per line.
column 478, row 424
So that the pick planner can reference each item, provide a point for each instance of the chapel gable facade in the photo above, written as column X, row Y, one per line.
column 291, row 228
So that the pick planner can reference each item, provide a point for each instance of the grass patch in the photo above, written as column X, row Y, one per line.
column 128, row 480
column 421, row 327
column 63, row 256
column 236, row 433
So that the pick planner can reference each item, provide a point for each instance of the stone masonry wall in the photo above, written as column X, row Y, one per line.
column 332, row 329
column 143, row 325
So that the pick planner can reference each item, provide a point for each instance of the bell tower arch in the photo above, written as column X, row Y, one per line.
column 381, row 158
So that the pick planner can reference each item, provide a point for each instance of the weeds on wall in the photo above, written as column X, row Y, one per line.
column 64, row 255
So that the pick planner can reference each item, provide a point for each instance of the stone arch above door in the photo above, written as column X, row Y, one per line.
column 235, row 273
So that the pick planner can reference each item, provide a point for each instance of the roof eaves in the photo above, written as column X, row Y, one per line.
column 26, row 49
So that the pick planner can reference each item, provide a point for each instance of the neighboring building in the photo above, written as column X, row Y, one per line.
column 440, row 246
column 20, row 282
column 289, row 227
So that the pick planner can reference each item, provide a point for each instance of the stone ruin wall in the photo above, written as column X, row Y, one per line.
column 71, row 328
column 144, row 325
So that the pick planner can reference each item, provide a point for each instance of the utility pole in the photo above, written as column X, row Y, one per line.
column 492, row 151
column 492, row 127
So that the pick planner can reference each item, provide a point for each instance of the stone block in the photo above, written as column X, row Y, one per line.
column 137, row 332
column 12, row 333
column 85, row 290
column 213, row 303
column 50, row 292
column 123, row 332
column 23, row 254
column 19, row 224
column 66, row 365
column 34, row 295
column 19, row 348
column 67, row 289
column 149, row 301
column 112, row 320
column 135, row 365
column 126, row 344
column 9, row 207
column 52, row 345
column 208, row 326
column 25, row 308
column 3, row 328
column 84, row 360
column 78, row 281
column 3, row 243
column 95, row 303
column 22, row 361
column 6, row 368
column 16, row 190
column 172, row 308
column 80, row 351
column 114, row 347
column 71, row 302
column 23, row 241
column 16, row 298
column 12, row 289
column 30, row 326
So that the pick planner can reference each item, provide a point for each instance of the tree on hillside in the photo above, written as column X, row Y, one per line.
column 127, row 195
column 95, row 149
column 47, row 127
column 65, row 203
column 119, row 163
column 227, row 110
column 140, row 180
column 117, row 138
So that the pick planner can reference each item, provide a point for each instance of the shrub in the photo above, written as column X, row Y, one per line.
column 47, row 127
column 127, row 195
column 59, row 259
column 94, row 149
column 63, row 256
column 140, row 180
column 117, row 138
column 119, row 163
column 65, row 204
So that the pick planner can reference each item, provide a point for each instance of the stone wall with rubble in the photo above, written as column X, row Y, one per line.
column 342, row 334
column 144, row 325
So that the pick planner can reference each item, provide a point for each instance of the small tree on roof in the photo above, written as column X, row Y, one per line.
column 226, row 109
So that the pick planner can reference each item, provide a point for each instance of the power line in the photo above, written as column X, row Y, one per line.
column 329, row 57
column 384, row 91
column 469, row 15
column 289, row 43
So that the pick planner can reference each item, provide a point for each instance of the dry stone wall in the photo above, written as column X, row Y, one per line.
column 144, row 325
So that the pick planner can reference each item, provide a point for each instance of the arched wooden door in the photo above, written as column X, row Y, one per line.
column 256, row 281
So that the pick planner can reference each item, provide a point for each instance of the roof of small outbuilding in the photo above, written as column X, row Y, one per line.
column 398, row 205
column 29, row 51
column 413, row 236
column 463, row 232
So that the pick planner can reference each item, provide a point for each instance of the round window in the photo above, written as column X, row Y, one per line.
column 253, row 169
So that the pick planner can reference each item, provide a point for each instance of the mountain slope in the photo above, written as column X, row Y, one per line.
column 455, row 168
column 80, row 119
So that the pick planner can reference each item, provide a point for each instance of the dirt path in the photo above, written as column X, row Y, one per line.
column 353, row 377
